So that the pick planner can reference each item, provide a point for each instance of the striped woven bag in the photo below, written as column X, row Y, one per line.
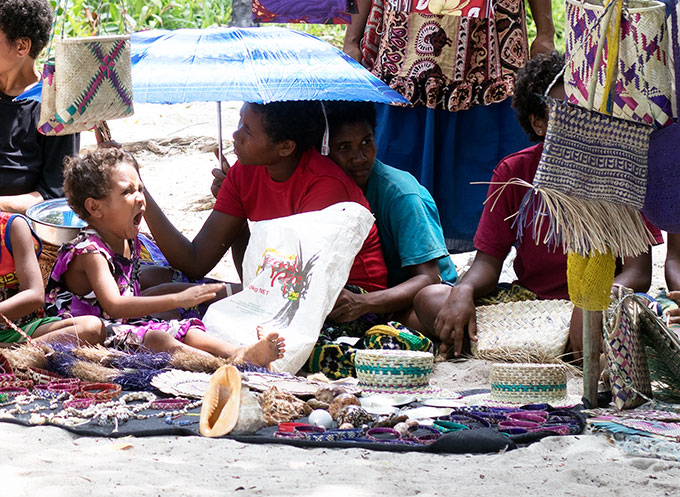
column 643, row 87
column 625, row 353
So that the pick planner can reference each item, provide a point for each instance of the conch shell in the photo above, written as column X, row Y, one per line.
column 221, row 402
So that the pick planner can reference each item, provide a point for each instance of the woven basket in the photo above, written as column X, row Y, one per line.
column 528, row 383
column 93, row 79
column 393, row 369
column 625, row 353
column 47, row 258
column 529, row 331
column 662, row 347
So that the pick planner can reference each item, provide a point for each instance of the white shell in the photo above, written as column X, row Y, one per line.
column 444, row 402
column 377, row 404
column 426, row 412
column 401, row 428
column 319, row 417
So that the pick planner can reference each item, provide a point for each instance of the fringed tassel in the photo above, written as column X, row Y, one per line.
column 137, row 379
column 25, row 356
column 583, row 226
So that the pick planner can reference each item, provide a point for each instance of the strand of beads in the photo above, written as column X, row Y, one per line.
column 171, row 417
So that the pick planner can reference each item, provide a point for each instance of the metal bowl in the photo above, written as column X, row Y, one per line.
column 54, row 221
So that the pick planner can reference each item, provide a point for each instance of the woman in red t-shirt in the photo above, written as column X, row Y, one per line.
column 278, row 173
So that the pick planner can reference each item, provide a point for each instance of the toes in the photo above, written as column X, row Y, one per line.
column 260, row 332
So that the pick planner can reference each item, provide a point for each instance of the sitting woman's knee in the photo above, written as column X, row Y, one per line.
column 431, row 296
column 159, row 341
column 89, row 329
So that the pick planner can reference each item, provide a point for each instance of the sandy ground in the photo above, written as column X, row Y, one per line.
column 47, row 461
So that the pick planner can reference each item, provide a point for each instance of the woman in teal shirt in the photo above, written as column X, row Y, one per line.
column 406, row 215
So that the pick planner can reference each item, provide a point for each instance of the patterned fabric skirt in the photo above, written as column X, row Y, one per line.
column 446, row 151
column 130, row 337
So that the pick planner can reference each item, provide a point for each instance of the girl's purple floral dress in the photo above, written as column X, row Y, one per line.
column 121, row 333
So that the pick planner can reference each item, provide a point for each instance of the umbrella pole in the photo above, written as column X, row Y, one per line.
column 592, row 334
column 219, row 134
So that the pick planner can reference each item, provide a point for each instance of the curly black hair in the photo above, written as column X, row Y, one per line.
column 89, row 176
column 300, row 121
column 27, row 19
column 530, row 85
column 340, row 113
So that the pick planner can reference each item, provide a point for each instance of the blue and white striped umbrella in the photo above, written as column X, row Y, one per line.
column 261, row 65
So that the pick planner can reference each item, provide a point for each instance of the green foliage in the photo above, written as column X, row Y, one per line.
column 332, row 33
column 140, row 14
column 558, row 13
column 78, row 19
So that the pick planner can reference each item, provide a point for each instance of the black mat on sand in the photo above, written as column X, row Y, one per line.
column 478, row 441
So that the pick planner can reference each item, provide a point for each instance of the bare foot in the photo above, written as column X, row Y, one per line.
column 266, row 350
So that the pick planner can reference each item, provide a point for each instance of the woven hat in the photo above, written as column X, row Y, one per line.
column 528, row 331
column 516, row 384
column 394, row 371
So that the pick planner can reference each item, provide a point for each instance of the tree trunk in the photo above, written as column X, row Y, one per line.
column 242, row 13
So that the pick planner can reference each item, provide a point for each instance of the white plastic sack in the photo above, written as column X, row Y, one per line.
column 293, row 271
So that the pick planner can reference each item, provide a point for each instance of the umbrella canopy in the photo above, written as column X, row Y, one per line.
column 259, row 65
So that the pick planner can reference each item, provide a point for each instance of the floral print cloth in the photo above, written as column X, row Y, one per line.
column 447, row 62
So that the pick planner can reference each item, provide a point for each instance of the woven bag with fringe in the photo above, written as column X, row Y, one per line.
column 534, row 331
column 591, row 178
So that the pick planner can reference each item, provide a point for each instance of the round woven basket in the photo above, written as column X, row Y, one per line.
column 47, row 258
column 393, row 369
column 528, row 383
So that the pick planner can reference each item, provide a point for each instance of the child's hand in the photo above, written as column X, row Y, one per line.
column 198, row 294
